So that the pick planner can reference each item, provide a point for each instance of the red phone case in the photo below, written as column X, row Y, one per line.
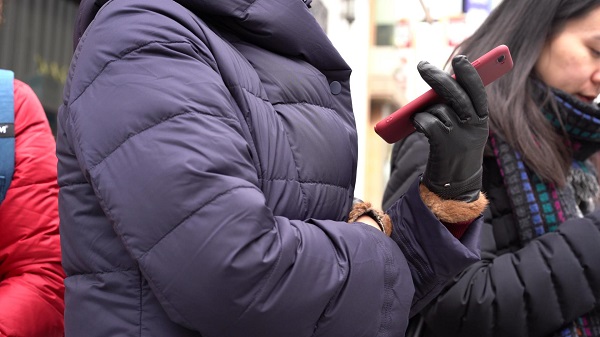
column 398, row 125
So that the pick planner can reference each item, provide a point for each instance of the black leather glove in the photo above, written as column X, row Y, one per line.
column 457, row 131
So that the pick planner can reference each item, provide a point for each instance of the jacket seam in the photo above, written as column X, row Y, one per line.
column 308, row 182
column 585, row 273
column 79, row 183
column 387, row 286
column 159, row 294
column 250, row 5
column 335, row 294
column 526, row 303
column 413, row 254
column 141, row 306
column 293, row 153
column 101, row 272
column 264, row 283
column 190, row 215
column 121, row 57
column 159, row 122
column 305, row 103
column 83, row 37
column 542, row 247
column 266, row 100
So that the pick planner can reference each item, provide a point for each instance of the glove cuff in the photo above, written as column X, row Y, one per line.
column 466, row 190
column 452, row 211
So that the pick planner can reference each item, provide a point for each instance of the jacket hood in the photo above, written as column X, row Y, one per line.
column 282, row 26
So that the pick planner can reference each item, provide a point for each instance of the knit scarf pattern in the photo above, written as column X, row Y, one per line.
column 540, row 207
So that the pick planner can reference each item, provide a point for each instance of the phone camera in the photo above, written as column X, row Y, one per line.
column 501, row 59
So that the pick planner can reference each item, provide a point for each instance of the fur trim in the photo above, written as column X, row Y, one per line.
column 364, row 208
column 387, row 224
column 452, row 211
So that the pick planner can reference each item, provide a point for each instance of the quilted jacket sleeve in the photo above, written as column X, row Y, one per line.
column 531, row 291
column 159, row 138
column 409, row 158
column 31, row 276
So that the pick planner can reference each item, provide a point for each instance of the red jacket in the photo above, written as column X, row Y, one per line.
column 31, row 275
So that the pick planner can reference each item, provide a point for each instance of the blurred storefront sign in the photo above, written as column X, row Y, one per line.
column 457, row 30
column 477, row 5
column 476, row 11
column 403, row 36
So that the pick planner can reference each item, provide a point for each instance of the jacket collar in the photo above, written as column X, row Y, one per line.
column 282, row 26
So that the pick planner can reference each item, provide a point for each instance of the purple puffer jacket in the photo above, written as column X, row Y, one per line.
column 207, row 154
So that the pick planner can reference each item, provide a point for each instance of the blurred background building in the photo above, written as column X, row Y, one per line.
column 37, row 44
column 382, row 40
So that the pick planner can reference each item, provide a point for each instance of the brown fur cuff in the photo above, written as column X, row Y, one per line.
column 364, row 208
column 452, row 211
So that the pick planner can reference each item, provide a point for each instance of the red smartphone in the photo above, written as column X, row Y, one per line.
column 398, row 125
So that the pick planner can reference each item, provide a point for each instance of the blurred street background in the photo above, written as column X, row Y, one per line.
column 382, row 40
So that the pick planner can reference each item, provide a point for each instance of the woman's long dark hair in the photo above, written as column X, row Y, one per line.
column 525, row 26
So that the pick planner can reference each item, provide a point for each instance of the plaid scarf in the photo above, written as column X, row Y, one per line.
column 538, row 206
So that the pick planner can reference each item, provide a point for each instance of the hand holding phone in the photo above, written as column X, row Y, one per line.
column 398, row 125
column 457, row 132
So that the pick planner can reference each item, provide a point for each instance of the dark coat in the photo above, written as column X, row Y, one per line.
column 515, row 290
column 207, row 160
